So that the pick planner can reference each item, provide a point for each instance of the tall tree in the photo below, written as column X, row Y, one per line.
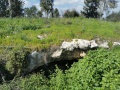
column 90, row 9
column 96, row 8
column 39, row 14
column 114, row 17
column 56, row 13
column 27, row 12
column 72, row 13
column 3, row 7
column 15, row 8
column 31, row 12
column 106, row 5
column 47, row 6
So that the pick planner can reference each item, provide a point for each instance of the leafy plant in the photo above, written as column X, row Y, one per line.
column 18, row 63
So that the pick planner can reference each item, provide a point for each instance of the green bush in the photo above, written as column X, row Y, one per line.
column 72, row 13
column 114, row 17
column 99, row 70
column 31, row 27
column 17, row 61
column 32, row 82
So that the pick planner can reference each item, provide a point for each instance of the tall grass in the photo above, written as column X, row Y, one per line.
column 23, row 31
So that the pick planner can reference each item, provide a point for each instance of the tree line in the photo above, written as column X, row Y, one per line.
column 91, row 9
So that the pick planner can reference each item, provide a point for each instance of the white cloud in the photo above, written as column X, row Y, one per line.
column 64, row 2
column 37, row 5
column 27, row 3
column 63, row 5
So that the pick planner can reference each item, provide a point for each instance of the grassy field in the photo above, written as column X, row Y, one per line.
column 24, row 31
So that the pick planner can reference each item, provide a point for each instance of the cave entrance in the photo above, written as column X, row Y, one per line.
column 50, row 67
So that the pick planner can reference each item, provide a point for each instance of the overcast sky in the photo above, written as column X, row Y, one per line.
column 63, row 4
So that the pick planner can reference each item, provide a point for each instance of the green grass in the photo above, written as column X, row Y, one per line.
column 24, row 31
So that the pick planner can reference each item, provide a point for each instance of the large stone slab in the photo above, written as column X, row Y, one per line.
column 74, row 49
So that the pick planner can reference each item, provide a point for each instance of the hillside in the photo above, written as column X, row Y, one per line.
column 99, row 70
column 24, row 31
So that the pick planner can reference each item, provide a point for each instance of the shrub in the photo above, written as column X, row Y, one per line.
column 31, row 27
column 17, row 61
column 114, row 17
column 72, row 13
column 99, row 70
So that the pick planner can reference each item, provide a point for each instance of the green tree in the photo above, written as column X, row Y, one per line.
column 106, row 5
column 3, row 7
column 47, row 6
column 15, row 8
column 27, row 12
column 90, row 9
column 39, row 14
column 56, row 13
column 31, row 12
column 114, row 16
column 72, row 13
column 96, row 8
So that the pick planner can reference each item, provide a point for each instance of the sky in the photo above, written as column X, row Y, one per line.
column 63, row 5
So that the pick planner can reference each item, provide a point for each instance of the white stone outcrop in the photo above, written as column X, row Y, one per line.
column 104, row 44
column 40, row 37
column 116, row 43
column 75, row 49
column 57, row 53
column 78, row 43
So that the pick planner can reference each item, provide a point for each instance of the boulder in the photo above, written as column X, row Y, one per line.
column 104, row 44
column 75, row 49
column 40, row 37
column 78, row 43
column 116, row 43
column 67, row 51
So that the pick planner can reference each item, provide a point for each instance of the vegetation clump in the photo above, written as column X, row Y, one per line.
column 99, row 70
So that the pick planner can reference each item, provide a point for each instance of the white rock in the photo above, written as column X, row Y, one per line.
column 82, row 54
column 104, row 44
column 34, row 54
column 40, row 37
column 93, row 44
column 8, row 36
column 83, row 44
column 68, row 50
column 67, row 46
column 78, row 43
column 57, row 53
column 116, row 44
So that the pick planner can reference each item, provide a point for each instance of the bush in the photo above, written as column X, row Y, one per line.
column 114, row 17
column 72, row 13
column 17, row 61
column 33, row 82
column 31, row 27
column 99, row 70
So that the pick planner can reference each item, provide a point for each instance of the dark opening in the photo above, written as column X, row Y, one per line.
column 50, row 68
